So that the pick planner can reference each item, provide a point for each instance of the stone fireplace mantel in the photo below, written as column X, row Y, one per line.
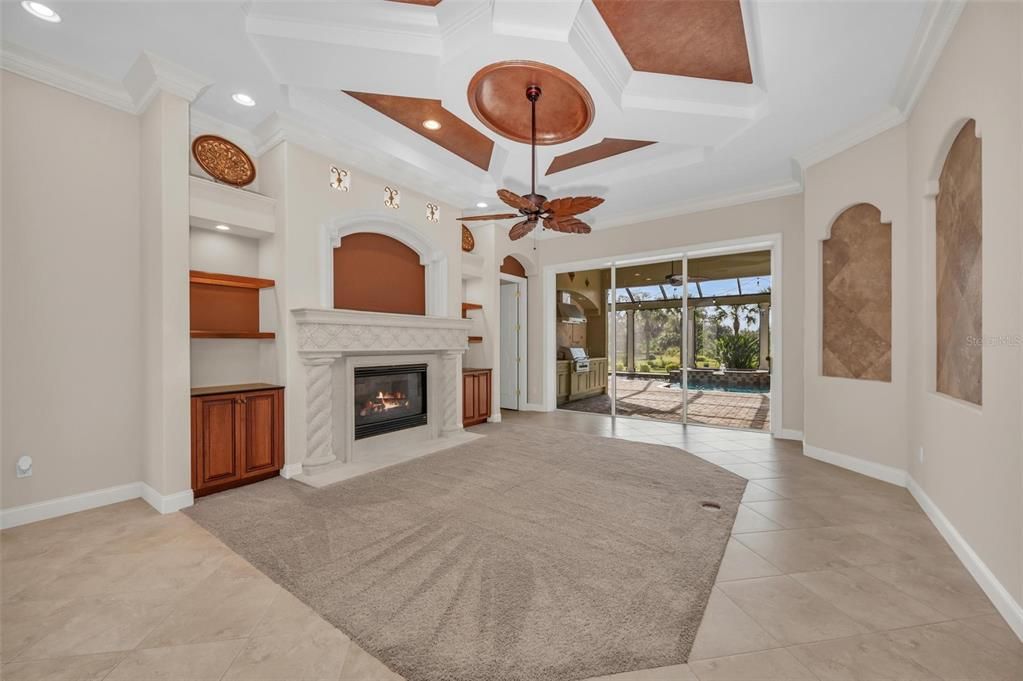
column 329, row 337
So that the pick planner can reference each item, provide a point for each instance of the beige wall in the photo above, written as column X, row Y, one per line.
column 782, row 216
column 72, row 328
column 298, row 178
column 843, row 415
column 968, row 460
column 972, row 455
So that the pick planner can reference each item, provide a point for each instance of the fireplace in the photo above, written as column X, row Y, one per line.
column 389, row 398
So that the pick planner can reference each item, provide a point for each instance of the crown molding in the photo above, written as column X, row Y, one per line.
column 850, row 137
column 29, row 64
column 763, row 193
column 939, row 20
column 935, row 28
column 290, row 127
column 152, row 74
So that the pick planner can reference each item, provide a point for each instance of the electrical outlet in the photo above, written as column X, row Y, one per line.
column 23, row 467
column 921, row 455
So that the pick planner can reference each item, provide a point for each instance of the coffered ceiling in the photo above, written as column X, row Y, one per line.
column 694, row 103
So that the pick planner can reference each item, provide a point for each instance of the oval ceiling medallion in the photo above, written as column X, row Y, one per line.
column 223, row 160
column 497, row 95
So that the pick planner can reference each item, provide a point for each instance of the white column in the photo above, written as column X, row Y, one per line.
column 691, row 335
column 765, row 334
column 319, row 395
column 451, row 379
column 630, row 340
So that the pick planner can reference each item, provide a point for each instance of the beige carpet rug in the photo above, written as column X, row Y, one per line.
column 529, row 555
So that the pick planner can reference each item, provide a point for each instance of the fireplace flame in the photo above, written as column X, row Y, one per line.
column 384, row 402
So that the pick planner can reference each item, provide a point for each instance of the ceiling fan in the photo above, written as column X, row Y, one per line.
column 557, row 214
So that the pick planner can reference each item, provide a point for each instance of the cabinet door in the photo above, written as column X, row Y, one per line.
column 483, row 394
column 219, row 444
column 259, row 424
column 469, row 398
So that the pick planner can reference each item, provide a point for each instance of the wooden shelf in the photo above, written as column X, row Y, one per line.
column 475, row 339
column 470, row 306
column 233, row 334
column 233, row 280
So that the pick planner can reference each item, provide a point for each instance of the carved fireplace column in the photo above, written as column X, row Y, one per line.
column 451, row 370
column 319, row 399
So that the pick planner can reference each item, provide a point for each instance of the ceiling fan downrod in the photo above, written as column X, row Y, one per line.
column 532, row 94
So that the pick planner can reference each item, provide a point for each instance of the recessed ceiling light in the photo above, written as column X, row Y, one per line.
column 481, row 204
column 243, row 99
column 41, row 11
column 431, row 124
column 223, row 228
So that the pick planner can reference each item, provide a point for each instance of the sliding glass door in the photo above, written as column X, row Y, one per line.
column 691, row 340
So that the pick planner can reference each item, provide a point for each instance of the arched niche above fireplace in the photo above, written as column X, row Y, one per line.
column 377, row 273
column 390, row 267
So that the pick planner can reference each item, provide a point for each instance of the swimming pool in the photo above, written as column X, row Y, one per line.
column 695, row 385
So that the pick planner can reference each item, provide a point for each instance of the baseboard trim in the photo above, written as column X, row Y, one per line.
column 167, row 503
column 290, row 470
column 1003, row 601
column 789, row 434
column 871, row 469
column 53, row 508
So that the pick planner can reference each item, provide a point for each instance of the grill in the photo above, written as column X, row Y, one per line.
column 580, row 360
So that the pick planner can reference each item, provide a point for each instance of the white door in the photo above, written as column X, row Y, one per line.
column 509, row 345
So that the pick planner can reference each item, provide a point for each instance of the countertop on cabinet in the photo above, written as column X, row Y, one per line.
column 237, row 388
column 469, row 370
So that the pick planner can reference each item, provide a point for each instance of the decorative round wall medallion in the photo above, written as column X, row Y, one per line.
column 224, row 160
column 564, row 112
column 468, row 242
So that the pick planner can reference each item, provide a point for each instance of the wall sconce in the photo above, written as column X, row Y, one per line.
column 433, row 212
column 392, row 197
column 340, row 180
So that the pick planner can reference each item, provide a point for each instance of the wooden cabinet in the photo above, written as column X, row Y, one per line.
column 476, row 396
column 237, row 435
column 573, row 386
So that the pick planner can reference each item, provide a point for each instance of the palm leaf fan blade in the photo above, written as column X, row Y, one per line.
column 521, row 229
column 497, row 216
column 572, row 205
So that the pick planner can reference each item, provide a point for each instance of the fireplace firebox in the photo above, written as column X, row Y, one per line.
column 389, row 398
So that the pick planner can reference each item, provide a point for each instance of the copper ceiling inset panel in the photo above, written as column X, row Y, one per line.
column 497, row 95
column 455, row 135
column 605, row 148
column 697, row 38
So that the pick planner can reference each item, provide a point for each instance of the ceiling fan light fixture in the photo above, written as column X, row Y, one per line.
column 481, row 204
column 431, row 124
column 243, row 99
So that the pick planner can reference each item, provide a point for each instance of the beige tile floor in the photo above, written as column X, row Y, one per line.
column 829, row 576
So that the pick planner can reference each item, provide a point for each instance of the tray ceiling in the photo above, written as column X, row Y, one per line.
column 697, row 38
column 455, row 135
column 762, row 83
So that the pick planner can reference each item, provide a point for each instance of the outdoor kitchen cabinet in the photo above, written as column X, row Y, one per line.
column 573, row 385
column 476, row 396
column 237, row 435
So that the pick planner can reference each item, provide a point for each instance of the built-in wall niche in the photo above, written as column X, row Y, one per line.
column 958, row 269
column 376, row 273
column 233, row 311
column 856, row 335
column 225, row 305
